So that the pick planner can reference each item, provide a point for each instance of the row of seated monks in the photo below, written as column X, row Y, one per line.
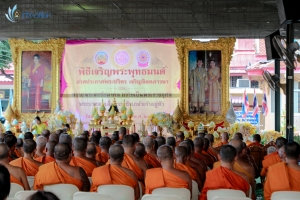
column 153, row 163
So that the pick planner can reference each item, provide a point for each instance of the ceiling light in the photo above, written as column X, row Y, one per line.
column 204, row 39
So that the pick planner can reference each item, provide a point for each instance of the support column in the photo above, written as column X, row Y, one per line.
column 277, row 97
column 289, row 90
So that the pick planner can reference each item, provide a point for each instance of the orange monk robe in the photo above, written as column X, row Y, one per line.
column 87, row 166
column 102, row 157
column 255, row 144
column 35, row 156
column 223, row 178
column 110, row 174
column 50, row 174
column 151, row 160
column 207, row 161
column 130, row 164
column 98, row 149
column 221, row 144
column 15, row 180
column 270, row 155
column 281, row 177
column 269, row 162
column 205, row 153
column 29, row 167
column 158, row 177
column 17, row 152
column 45, row 159
column 212, row 152
column 188, row 169
column 236, row 167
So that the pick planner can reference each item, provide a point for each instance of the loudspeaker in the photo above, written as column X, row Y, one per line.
column 288, row 12
column 270, row 50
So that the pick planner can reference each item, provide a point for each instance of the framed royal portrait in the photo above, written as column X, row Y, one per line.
column 204, row 78
column 37, row 75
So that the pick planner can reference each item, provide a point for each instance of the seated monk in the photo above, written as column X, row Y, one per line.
column 65, row 138
column 11, row 141
column 79, row 159
column 49, row 157
column 201, row 169
column 114, row 137
column 40, row 146
column 17, row 174
column 225, row 177
column 136, row 137
column 199, row 146
column 105, row 143
column 274, row 158
column 140, row 152
column 256, row 141
column 160, row 141
column 202, row 134
column 130, row 161
column 205, row 149
column 18, row 149
column 46, row 134
column 91, row 153
column 284, row 176
column 154, row 135
column 54, row 137
column 150, row 157
column 225, row 138
column 240, row 165
column 94, row 140
column 171, row 142
column 181, row 158
column 210, row 148
column 179, row 137
column 122, row 132
column 167, row 176
column 193, row 158
column 114, row 173
column 61, row 172
column 27, row 162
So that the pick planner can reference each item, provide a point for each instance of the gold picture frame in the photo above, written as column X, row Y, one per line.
column 18, row 48
column 184, row 46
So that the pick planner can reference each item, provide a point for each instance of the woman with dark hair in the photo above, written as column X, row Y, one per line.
column 36, row 81
column 38, row 126
column 43, row 195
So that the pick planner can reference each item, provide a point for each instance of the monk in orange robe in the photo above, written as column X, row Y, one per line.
column 140, row 152
column 205, row 149
column 210, row 148
column 94, row 140
column 18, row 151
column 40, row 146
column 61, row 172
column 91, row 153
column 256, row 141
column 224, row 177
column 277, row 158
column 49, row 157
column 224, row 138
column 150, row 157
column 11, row 141
column 114, row 173
column 122, row 132
column 180, row 163
column 54, row 137
column 79, row 159
column 130, row 160
column 284, row 176
column 17, row 174
column 179, row 137
column 167, row 176
column 199, row 147
column 105, row 143
column 27, row 162
column 198, row 165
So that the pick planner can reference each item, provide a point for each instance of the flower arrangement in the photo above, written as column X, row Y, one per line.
column 57, row 120
column 269, row 135
column 245, row 128
column 161, row 119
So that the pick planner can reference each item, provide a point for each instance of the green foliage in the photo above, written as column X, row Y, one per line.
column 5, row 54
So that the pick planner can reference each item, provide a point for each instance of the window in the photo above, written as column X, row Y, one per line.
column 233, row 80
column 254, row 84
column 296, row 97
column 273, row 101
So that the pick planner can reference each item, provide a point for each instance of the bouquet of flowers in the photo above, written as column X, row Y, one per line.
column 269, row 135
column 57, row 120
column 161, row 119
column 245, row 128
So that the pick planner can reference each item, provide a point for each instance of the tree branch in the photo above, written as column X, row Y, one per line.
column 6, row 75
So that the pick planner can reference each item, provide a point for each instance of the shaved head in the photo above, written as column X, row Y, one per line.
column 171, row 141
column 292, row 150
column 237, row 144
column 281, row 141
column 210, row 137
column 128, row 141
column 181, row 152
column 160, row 140
column 80, row 144
column 105, row 142
column 46, row 133
column 148, row 142
column 28, row 135
column 91, row 149
column 140, row 150
column 116, row 153
column 180, row 135
column 225, row 136
column 206, row 143
column 50, row 147
column 136, row 137
column 54, row 137
column 165, row 152
column 238, row 135
column 199, row 142
column 227, row 153
column 2, row 136
column 187, row 145
column 10, row 140
column 3, row 151
column 62, row 151
column 19, row 142
column 29, row 146
column 202, row 135
column 281, row 153
column 122, row 131
column 65, row 138
column 41, row 141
